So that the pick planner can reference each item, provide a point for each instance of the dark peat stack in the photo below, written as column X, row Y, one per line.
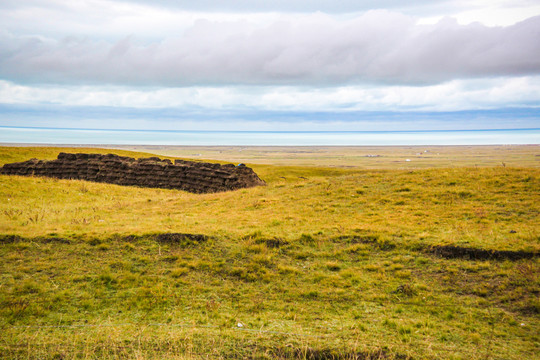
column 195, row 177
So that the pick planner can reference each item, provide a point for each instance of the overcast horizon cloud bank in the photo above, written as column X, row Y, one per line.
column 348, row 59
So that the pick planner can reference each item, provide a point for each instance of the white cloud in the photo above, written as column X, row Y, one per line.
column 450, row 96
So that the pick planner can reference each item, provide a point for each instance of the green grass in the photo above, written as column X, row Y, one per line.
column 320, row 263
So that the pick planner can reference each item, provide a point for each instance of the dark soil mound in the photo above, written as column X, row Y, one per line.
column 195, row 177
column 451, row 251
column 330, row 354
column 179, row 237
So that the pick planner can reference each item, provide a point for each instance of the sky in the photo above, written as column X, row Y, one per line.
column 270, row 65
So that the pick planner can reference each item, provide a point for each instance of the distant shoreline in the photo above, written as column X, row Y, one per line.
column 271, row 131
column 160, row 146
column 93, row 137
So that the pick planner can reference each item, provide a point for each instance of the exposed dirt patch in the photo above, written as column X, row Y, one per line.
column 8, row 239
column 181, row 239
column 382, row 244
column 176, row 238
column 330, row 354
column 273, row 243
column 168, row 238
column 357, row 239
column 452, row 252
column 55, row 240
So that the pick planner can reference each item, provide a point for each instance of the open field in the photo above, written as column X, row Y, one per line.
column 339, row 256
column 365, row 157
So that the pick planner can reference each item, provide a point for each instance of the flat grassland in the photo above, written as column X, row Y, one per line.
column 346, row 253
column 365, row 157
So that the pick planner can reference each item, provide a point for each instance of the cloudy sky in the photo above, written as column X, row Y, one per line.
column 270, row 65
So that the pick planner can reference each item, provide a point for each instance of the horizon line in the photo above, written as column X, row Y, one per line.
column 265, row 131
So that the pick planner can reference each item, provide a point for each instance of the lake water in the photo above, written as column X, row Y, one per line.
column 10, row 134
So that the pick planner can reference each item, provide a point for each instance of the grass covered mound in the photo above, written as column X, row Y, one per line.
column 320, row 264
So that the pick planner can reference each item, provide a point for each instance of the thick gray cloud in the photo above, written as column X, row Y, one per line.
column 376, row 47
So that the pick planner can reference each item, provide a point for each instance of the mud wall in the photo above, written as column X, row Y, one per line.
column 152, row 172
